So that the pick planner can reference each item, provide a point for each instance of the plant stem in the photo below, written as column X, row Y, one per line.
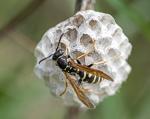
column 72, row 113
column 84, row 5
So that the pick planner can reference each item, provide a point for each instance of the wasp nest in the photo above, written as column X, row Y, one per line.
column 86, row 31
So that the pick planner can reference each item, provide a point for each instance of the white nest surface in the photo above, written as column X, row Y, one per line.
column 80, row 31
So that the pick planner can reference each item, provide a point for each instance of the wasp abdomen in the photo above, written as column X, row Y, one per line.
column 89, row 78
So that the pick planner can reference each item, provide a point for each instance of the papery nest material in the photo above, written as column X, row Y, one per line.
column 80, row 30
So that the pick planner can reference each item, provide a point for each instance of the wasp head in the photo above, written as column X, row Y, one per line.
column 57, row 54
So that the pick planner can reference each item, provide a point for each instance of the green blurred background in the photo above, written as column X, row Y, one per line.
column 22, row 24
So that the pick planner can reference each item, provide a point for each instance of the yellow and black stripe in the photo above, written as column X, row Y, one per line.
column 89, row 78
column 84, row 76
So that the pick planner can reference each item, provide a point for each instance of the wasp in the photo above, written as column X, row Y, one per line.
column 71, row 67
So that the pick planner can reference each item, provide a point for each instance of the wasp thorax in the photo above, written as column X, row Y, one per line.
column 86, row 31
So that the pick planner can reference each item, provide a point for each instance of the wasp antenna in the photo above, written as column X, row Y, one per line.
column 59, row 41
column 45, row 58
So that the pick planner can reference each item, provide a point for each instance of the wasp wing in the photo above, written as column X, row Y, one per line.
column 90, row 70
column 79, row 92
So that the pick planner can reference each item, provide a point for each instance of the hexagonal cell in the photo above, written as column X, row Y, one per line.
column 116, row 62
column 71, row 34
column 107, row 19
column 86, row 40
column 43, row 50
column 96, row 56
column 111, row 27
column 104, row 42
column 95, row 26
column 124, row 70
column 58, row 31
column 48, row 42
column 93, row 23
column 117, row 35
column 125, row 47
column 76, row 54
column 117, row 32
column 78, row 20
column 113, row 53
column 61, row 46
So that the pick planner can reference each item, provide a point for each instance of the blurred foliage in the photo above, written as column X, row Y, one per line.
column 22, row 96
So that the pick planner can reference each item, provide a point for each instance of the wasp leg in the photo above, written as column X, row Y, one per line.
column 75, row 59
column 96, row 63
column 68, row 56
column 85, row 54
column 66, row 85
column 102, row 61
column 78, row 61
column 66, row 51
column 79, row 82
column 86, row 90
column 90, row 65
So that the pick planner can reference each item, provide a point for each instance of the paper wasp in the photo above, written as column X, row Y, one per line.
column 71, row 67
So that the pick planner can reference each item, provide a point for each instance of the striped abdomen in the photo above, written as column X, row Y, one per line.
column 89, row 78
